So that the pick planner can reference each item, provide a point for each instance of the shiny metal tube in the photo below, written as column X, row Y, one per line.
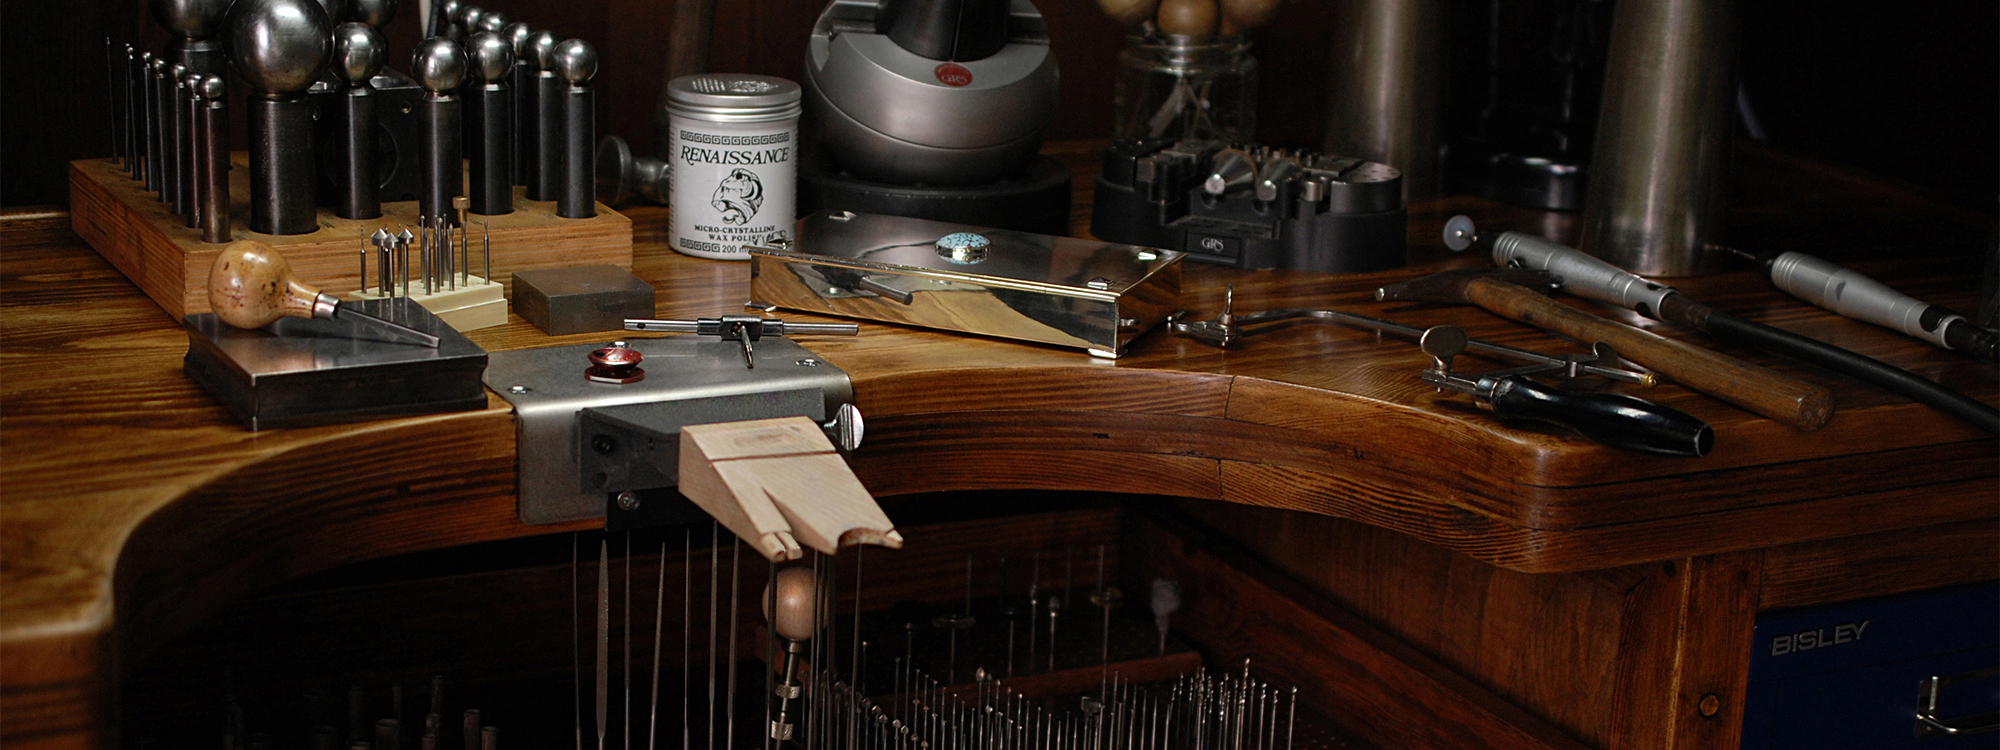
column 191, row 144
column 150, row 112
column 181, row 148
column 166, row 101
column 135, row 115
column 1385, row 85
column 1659, row 174
column 214, row 162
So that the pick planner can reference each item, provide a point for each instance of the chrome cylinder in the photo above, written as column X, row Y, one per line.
column 1659, row 176
column 1385, row 85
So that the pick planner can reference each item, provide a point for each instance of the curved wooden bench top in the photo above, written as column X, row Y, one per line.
column 131, row 505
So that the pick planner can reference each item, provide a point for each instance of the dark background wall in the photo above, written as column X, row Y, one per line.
column 1907, row 90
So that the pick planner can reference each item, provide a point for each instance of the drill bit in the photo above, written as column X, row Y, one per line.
column 403, row 258
column 428, row 247
column 486, row 249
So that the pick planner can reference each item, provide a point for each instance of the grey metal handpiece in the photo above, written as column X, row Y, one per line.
column 1580, row 273
column 1854, row 295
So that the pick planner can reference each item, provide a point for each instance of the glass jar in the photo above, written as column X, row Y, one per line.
column 1181, row 87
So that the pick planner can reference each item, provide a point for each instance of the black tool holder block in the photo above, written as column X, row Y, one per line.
column 297, row 372
column 398, row 145
column 1334, row 214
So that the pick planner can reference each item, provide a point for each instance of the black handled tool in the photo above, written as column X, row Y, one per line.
column 1615, row 420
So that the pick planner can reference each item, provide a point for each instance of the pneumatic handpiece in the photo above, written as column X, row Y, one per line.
column 1848, row 292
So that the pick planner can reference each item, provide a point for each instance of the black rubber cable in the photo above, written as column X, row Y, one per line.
column 1888, row 377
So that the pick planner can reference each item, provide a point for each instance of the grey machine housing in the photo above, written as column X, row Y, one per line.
column 877, row 95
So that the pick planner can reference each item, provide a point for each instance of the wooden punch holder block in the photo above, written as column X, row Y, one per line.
column 156, row 249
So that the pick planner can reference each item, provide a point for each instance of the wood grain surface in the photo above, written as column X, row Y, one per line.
column 134, row 505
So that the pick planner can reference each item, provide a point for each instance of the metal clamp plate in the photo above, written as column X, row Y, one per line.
column 705, row 377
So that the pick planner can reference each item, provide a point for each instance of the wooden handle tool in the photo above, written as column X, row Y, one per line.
column 1794, row 402
column 1128, row 12
column 777, row 483
column 1188, row 17
column 252, row 285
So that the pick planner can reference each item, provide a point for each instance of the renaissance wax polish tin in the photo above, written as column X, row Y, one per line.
column 733, row 149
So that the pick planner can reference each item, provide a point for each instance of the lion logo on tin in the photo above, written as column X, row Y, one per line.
column 738, row 196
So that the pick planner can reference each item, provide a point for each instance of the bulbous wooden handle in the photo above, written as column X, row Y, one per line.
column 797, row 592
column 1188, row 17
column 1128, row 12
column 251, row 285
column 1244, row 15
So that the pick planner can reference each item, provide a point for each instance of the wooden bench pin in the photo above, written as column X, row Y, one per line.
column 778, row 483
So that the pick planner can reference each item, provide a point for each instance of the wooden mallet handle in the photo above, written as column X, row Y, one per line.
column 1789, row 400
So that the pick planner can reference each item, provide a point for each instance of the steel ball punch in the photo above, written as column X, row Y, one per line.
column 489, row 119
column 545, row 166
column 575, row 62
column 439, row 66
column 196, row 26
column 280, row 47
column 358, row 55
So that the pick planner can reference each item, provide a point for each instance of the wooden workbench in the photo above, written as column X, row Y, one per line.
column 1606, row 592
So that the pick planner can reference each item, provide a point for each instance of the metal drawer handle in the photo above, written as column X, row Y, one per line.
column 1930, row 724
